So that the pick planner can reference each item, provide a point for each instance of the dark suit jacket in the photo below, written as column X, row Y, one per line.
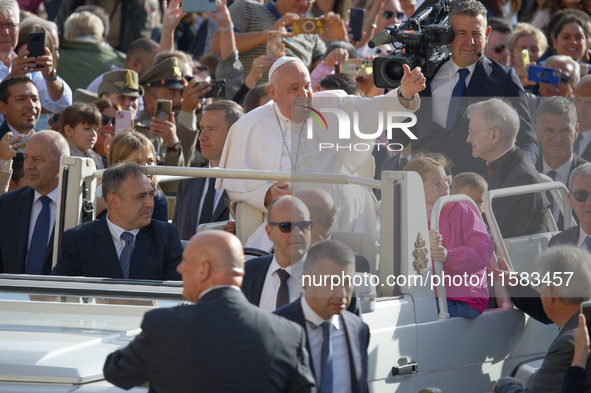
column 577, row 161
column 532, row 209
column 568, row 236
column 88, row 250
column 357, row 337
column 587, row 153
column 4, row 129
column 15, row 216
column 188, row 196
column 550, row 375
column 490, row 79
column 255, row 271
column 220, row 344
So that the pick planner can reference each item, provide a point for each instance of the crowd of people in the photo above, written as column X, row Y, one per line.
column 487, row 118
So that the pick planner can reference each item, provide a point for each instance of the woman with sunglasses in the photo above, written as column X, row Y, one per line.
column 79, row 124
column 462, row 243
column 108, row 111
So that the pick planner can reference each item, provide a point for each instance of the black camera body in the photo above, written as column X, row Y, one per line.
column 425, row 37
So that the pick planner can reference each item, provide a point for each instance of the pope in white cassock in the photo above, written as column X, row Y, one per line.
column 275, row 137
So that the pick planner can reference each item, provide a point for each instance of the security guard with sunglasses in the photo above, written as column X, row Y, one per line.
column 579, row 194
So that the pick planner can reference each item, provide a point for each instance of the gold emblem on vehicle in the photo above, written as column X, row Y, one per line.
column 420, row 254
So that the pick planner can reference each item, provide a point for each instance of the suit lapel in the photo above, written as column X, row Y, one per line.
column 351, row 337
column 258, row 279
column 197, row 191
column 23, row 237
column 105, row 248
column 221, row 208
column 143, row 245
column 481, row 74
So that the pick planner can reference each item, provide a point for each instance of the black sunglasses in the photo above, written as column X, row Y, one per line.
column 499, row 48
column 287, row 227
column 107, row 119
column 581, row 195
column 565, row 79
column 390, row 14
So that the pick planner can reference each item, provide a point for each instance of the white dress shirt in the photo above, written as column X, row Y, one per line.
column 36, row 209
column 272, row 282
column 341, row 371
column 46, row 102
column 442, row 87
column 116, row 232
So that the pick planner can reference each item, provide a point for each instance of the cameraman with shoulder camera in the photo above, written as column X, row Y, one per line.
column 471, row 75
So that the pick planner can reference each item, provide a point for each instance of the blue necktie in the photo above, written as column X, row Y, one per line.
column 126, row 253
column 454, row 103
column 588, row 243
column 326, row 360
column 283, row 292
column 38, row 248
column 577, row 144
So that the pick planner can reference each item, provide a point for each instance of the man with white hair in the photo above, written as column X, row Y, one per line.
column 569, row 77
column 54, row 93
column 27, row 215
column 277, row 137
column 492, row 132
column 559, row 302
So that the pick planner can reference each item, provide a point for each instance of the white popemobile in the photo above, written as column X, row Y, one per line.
column 55, row 332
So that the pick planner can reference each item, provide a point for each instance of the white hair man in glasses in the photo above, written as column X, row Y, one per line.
column 491, row 134
column 579, row 185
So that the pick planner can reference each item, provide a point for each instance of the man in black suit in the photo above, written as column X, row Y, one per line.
column 27, row 215
column 127, row 242
column 582, row 147
column 493, row 128
column 556, row 129
column 273, row 281
column 337, row 340
column 197, row 200
column 580, row 188
column 558, row 302
column 20, row 105
column 469, row 75
column 220, row 344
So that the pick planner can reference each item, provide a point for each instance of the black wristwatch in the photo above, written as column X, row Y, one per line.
column 175, row 148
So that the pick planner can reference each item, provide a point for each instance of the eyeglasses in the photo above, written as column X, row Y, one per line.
column 389, row 14
column 287, row 227
column 565, row 79
column 499, row 48
column 581, row 195
column 9, row 25
column 107, row 119
column 439, row 184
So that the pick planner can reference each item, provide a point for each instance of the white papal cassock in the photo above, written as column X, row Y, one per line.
column 264, row 139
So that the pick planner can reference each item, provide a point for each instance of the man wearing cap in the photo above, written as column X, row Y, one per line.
column 122, row 87
column 291, row 143
column 174, row 139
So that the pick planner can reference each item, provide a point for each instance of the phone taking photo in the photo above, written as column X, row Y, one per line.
column 586, row 311
column 163, row 109
column 36, row 41
column 123, row 121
